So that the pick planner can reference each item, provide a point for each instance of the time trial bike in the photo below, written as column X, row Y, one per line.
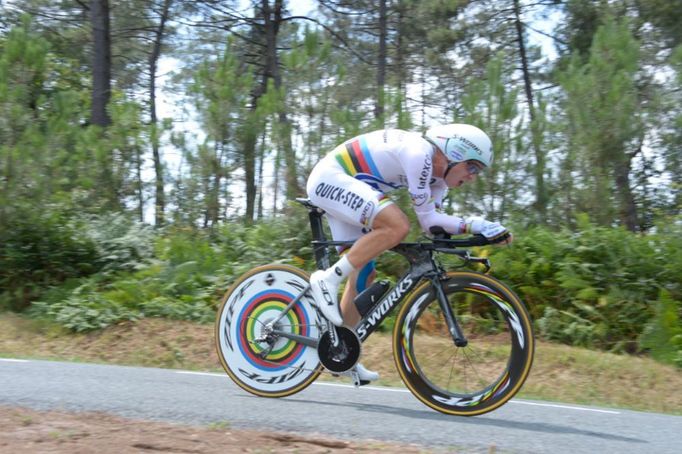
column 462, row 340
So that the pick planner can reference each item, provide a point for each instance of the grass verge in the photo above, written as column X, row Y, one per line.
column 560, row 373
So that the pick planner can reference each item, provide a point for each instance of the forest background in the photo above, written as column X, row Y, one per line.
column 112, row 210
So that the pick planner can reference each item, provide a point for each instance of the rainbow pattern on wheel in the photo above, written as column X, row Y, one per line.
column 262, row 308
column 269, row 364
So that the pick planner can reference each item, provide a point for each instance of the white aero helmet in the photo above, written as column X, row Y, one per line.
column 460, row 142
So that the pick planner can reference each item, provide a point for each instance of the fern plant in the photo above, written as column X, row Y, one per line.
column 663, row 334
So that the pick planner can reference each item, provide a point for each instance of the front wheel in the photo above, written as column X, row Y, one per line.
column 265, row 364
column 479, row 377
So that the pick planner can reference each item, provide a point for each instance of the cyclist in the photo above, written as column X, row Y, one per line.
column 350, row 185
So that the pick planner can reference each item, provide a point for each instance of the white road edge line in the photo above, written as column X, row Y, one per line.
column 209, row 374
column 397, row 390
column 370, row 388
column 611, row 412
column 12, row 360
column 513, row 401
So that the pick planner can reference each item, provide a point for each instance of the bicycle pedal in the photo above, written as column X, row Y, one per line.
column 357, row 381
column 356, row 378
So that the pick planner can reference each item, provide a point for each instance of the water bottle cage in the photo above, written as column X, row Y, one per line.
column 366, row 300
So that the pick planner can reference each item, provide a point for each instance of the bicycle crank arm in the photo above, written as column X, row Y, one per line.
column 307, row 341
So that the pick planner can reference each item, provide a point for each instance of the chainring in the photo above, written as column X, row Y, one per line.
column 341, row 358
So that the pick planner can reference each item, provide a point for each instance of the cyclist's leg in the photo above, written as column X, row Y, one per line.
column 386, row 225
column 353, row 202
column 357, row 281
column 388, row 229
column 345, row 231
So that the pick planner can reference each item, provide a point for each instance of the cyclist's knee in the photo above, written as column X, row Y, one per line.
column 402, row 229
column 394, row 222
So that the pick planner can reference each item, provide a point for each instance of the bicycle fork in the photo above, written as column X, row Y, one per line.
column 453, row 326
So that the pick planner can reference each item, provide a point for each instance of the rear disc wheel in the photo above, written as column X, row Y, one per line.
column 260, row 362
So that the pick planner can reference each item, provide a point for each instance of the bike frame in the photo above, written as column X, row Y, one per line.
column 422, row 266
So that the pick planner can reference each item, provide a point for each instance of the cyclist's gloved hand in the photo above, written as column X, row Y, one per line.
column 494, row 232
column 439, row 233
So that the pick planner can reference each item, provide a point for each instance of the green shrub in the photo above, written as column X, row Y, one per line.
column 39, row 249
column 121, row 243
column 566, row 327
column 192, row 310
column 663, row 334
column 84, row 310
column 596, row 287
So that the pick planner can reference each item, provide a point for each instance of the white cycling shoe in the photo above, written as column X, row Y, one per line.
column 360, row 375
column 325, row 296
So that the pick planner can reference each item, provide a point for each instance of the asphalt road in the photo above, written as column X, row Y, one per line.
column 341, row 411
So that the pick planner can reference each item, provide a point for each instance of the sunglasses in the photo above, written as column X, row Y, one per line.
column 473, row 169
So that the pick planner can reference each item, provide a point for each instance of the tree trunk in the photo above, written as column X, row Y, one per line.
column 540, row 190
column 160, row 197
column 206, row 190
column 628, row 208
column 293, row 189
column 261, row 161
column 278, row 161
column 101, row 95
column 249, row 153
column 212, row 184
column 101, row 63
column 214, row 207
column 273, row 20
column 381, row 64
column 9, row 181
column 140, row 186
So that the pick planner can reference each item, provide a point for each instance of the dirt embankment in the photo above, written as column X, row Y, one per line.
column 28, row 431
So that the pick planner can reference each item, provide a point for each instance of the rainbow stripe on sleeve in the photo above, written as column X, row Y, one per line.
column 383, row 199
column 354, row 157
